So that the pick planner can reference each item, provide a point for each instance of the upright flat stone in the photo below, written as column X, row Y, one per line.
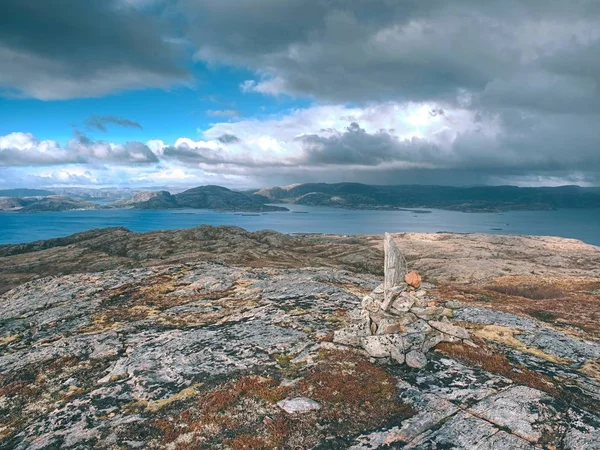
column 394, row 267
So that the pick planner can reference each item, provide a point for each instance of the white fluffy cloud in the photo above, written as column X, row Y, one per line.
column 24, row 149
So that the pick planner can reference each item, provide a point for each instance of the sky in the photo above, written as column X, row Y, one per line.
column 255, row 93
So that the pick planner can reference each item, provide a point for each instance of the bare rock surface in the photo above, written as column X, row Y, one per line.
column 206, row 354
column 475, row 257
column 298, row 405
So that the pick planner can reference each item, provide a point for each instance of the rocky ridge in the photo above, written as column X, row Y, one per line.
column 207, row 354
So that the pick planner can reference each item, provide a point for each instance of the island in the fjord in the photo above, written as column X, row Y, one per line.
column 216, row 337
column 203, row 197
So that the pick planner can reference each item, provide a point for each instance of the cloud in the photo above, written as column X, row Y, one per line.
column 353, row 50
column 392, row 142
column 60, row 49
column 24, row 149
column 465, row 91
column 397, row 143
column 223, row 113
column 228, row 139
column 101, row 122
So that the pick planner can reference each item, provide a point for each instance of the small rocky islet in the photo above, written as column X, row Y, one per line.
column 312, row 349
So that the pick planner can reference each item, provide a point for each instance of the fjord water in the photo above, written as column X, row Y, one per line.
column 583, row 224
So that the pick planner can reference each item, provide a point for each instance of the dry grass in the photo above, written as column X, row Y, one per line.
column 506, row 336
column 135, row 302
column 530, row 291
column 491, row 361
column 559, row 301
column 592, row 368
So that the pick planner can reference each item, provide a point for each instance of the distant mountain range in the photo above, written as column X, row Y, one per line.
column 340, row 195
column 471, row 199
column 25, row 193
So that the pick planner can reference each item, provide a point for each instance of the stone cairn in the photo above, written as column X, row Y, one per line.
column 397, row 320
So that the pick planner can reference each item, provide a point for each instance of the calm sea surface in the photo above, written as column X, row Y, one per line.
column 573, row 223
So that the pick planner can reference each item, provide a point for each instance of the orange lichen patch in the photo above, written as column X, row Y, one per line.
column 156, row 405
column 558, row 301
column 592, row 368
column 413, row 279
column 491, row 361
column 359, row 291
column 9, row 339
column 135, row 302
column 326, row 338
column 354, row 394
column 216, row 312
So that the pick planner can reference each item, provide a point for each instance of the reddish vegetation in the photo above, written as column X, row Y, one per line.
column 352, row 389
column 548, row 299
column 531, row 291
column 354, row 395
column 487, row 359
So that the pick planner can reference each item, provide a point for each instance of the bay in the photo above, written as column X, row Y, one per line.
column 583, row 224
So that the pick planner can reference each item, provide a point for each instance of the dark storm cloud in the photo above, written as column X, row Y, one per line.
column 56, row 49
column 357, row 147
column 101, row 122
column 506, row 154
column 355, row 50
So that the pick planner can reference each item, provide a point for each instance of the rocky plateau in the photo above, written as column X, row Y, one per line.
column 215, row 338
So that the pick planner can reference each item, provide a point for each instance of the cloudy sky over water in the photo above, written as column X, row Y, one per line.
column 248, row 93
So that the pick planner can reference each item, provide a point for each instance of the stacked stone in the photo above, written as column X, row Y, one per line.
column 397, row 320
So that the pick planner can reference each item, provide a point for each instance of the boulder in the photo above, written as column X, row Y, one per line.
column 298, row 405
column 413, row 279
column 416, row 359
column 447, row 328
column 351, row 334
column 370, row 304
column 381, row 346
column 402, row 303
column 397, row 355
column 394, row 265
